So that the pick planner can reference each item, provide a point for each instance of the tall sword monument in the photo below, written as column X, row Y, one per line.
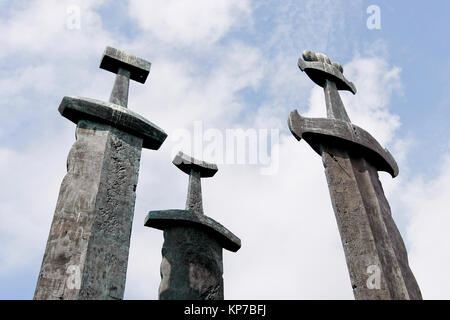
column 375, row 253
column 87, row 249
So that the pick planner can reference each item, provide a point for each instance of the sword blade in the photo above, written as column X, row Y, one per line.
column 372, row 244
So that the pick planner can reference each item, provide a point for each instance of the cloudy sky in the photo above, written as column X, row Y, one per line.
column 226, row 65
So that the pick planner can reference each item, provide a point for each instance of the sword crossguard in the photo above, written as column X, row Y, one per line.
column 317, row 131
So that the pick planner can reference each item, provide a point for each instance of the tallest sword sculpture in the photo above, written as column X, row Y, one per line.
column 375, row 253
column 87, row 249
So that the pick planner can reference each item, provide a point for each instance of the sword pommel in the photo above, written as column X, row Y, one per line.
column 187, row 163
column 114, row 59
column 319, row 68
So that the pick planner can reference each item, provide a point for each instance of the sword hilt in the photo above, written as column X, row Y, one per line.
column 196, row 169
column 336, row 128
column 127, row 67
column 329, row 76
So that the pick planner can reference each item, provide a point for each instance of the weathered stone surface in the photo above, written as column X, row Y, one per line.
column 126, row 66
column 113, row 60
column 77, row 108
column 192, row 265
column 119, row 93
column 368, row 232
column 194, row 200
column 87, row 250
column 166, row 218
column 374, row 250
column 319, row 71
column 186, row 163
column 316, row 131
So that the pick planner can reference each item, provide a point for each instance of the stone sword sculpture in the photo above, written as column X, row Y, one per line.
column 192, row 264
column 87, row 250
column 375, row 253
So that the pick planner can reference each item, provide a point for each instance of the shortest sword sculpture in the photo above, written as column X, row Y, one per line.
column 192, row 264
column 375, row 253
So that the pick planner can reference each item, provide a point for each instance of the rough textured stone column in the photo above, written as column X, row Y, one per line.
column 192, row 264
column 87, row 250
column 375, row 253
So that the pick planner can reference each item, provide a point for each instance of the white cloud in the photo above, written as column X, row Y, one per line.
column 427, row 202
column 39, row 54
column 181, row 89
column 29, row 189
column 40, row 30
column 189, row 23
column 323, row 26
